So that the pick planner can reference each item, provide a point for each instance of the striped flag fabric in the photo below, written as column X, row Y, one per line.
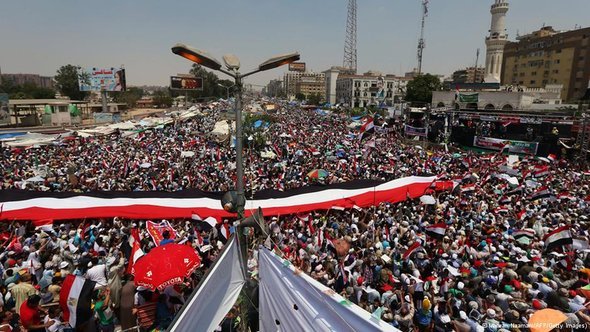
column 542, row 192
column 75, row 299
column 552, row 157
column 366, row 129
column 436, row 231
column 412, row 249
column 560, row 237
column 136, row 252
column 45, row 225
column 468, row 187
column 540, row 171
column 524, row 233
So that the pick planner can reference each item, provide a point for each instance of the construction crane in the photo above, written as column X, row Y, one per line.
column 421, row 43
column 350, row 41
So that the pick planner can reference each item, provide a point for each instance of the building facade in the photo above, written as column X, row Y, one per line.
column 469, row 75
column 295, row 82
column 331, row 80
column 496, row 41
column 547, row 57
column 274, row 88
column 370, row 89
column 38, row 80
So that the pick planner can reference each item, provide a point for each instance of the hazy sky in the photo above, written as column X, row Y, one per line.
column 38, row 36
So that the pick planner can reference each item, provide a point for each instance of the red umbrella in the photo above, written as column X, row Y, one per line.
column 166, row 265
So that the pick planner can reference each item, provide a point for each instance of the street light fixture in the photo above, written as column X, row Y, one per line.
column 232, row 64
column 226, row 88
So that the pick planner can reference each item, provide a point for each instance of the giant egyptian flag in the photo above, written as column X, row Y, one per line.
column 29, row 205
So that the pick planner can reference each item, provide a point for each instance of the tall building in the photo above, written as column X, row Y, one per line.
column 313, row 84
column 331, row 78
column 549, row 57
column 274, row 88
column 370, row 89
column 292, row 80
column 38, row 80
column 469, row 75
column 496, row 41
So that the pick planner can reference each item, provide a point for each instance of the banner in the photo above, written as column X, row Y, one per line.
column 415, row 131
column 499, row 144
column 99, row 79
column 157, row 229
column 186, row 83
column 4, row 109
column 152, row 205
column 469, row 98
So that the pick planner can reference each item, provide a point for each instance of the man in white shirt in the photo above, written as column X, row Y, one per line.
column 97, row 273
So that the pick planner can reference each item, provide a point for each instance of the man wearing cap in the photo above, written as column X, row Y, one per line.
column 22, row 290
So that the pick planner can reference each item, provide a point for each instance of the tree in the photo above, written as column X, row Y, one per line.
column 314, row 99
column 66, row 82
column 419, row 90
column 211, row 88
column 129, row 97
column 25, row 91
column 300, row 96
column 162, row 98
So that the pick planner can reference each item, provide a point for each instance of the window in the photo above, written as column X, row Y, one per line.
column 557, row 61
column 521, row 74
column 533, row 82
column 534, row 73
column 558, row 51
column 545, row 82
column 556, row 71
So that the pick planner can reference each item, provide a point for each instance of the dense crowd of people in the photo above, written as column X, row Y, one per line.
column 490, row 267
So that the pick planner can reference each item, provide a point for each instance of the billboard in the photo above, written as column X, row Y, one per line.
column 99, row 79
column 416, row 131
column 297, row 66
column 501, row 144
column 186, row 83
column 4, row 109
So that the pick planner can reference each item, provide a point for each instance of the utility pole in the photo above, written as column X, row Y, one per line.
column 421, row 43
column 476, row 61
column 350, row 56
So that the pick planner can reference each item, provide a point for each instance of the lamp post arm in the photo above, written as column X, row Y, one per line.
column 251, row 73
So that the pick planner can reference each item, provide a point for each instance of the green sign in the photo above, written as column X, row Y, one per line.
column 469, row 98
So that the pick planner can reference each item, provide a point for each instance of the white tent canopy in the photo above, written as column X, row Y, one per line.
column 293, row 301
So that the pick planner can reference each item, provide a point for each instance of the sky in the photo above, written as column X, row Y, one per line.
column 39, row 36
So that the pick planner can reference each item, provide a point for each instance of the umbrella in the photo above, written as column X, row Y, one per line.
column 318, row 174
column 145, row 165
column 166, row 265
column 35, row 179
column 428, row 200
column 546, row 320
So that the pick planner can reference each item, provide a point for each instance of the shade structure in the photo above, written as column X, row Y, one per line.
column 318, row 174
column 166, row 265
column 545, row 320
column 290, row 300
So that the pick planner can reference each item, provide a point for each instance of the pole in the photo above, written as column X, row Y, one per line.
column 476, row 61
column 105, row 107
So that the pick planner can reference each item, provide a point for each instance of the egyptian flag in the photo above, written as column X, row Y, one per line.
column 504, row 200
column 412, row 249
column 436, row 231
column 320, row 237
column 366, row 129
column 75, row 299
column 557, row 238
column 45, row 225
column 502, row 209
column 468, row 188
column 521, row 215
column 135, row 252
column 524, row 233
column 565, row 195
column 224, row 231
column 552, row 157
column 540, row 171
column 542, row 192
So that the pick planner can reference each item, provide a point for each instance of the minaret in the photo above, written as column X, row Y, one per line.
column 495, row 41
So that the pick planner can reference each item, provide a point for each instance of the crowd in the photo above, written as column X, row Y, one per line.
column 490, row 267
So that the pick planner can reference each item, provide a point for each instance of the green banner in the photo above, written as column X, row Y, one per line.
column 469, row 98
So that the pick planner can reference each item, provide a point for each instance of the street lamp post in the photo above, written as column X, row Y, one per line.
column 226, row 89
column 232, row 66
